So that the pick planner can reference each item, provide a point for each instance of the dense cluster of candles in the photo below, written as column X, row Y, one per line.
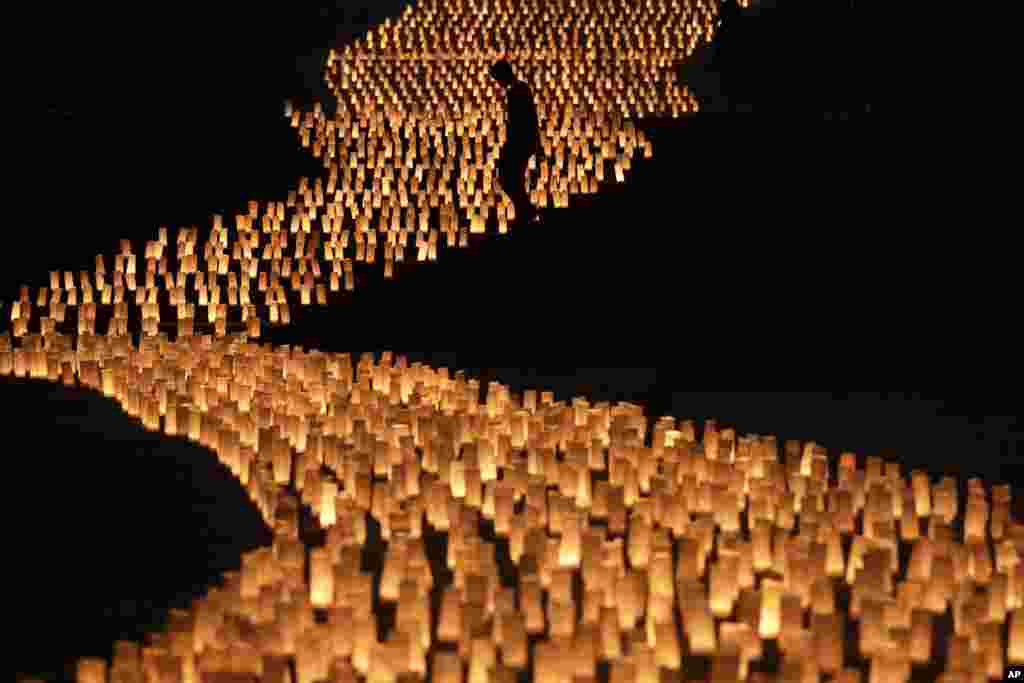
column 634, row 546
column 418, row 91
column 409, row 161
column 638, row 546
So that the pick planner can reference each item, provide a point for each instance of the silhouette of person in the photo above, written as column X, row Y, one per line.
column 522, row 140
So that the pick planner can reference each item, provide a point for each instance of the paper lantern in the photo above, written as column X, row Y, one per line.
column 365, row 635
column 921, row 636
column 725, row 667
column 723, row 585
column 393, row 572
column 771, row 605
column 873, row 633
column 976, row 519
column 311, row 657
column 449, row 625
column 1015, row 642
column 530, row 605
column 667, row 651
column 473, row 487
column 700, row 630
column 328, row 509
column 945, row 500
column 483, row 658
column 514, row 641
column 561, row 618
column 447, row 667
column 990, row 636
column 321, row 578
column 91, row 670
column 610, row 640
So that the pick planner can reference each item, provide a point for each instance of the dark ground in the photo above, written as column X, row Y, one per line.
column 777, row 235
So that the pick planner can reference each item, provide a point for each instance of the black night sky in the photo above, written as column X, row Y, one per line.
column 749, row 252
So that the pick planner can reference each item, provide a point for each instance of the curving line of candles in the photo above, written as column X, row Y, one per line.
column 632, row 544
column 409, row 162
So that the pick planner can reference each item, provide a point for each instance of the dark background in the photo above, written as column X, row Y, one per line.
column 772, row 237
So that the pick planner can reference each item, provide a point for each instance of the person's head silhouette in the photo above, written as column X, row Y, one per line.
column 502, row 72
